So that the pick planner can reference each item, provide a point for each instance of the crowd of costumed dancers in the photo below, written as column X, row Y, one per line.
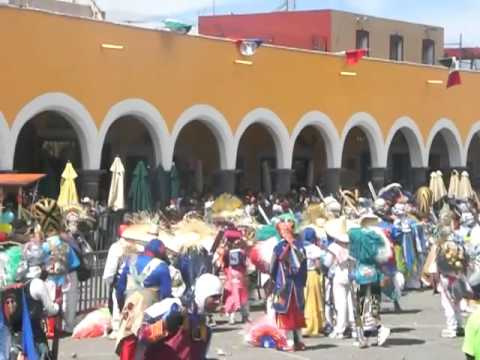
column 323, row 266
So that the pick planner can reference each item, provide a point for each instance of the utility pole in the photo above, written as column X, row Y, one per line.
column 213, row 7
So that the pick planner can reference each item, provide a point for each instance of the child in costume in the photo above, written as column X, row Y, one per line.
column 235, row 268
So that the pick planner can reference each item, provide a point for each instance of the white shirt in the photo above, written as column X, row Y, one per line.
column 114, row 257
column 39, row 292
column 313, row 253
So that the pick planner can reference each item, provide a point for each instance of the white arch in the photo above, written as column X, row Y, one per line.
column 416, row 148
column 452, row 138
column 73, row 111
column 216, row 122
column 370, row 127
column 149, row 116
column 475, row 129
column 276, row 129
column 4, row 143
column 328, row 132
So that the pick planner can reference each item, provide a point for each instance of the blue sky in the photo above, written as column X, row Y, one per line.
column 457, row 16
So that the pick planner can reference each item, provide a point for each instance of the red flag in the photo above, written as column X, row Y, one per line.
column 454, row 78
column 354, row 56
column 454, row 73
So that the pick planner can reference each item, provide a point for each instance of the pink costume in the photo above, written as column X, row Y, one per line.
column 236, row 288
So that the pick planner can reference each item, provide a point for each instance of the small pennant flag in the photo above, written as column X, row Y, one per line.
column 354, row 56
column 248, row 47
column 454, row 74
column 177, row 26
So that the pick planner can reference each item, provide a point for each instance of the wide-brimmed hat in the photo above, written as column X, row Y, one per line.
column 153, row 229
column 47, row 213
column 332, row 204
column 369, row 219
column 338, row 229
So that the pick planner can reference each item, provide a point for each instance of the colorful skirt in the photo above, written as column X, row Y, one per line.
column 314, row 304
column 293, row 319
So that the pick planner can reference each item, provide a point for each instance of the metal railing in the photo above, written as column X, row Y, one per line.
column 94, row 292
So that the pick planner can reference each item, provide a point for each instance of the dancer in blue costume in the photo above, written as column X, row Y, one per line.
column 289, row 273
column 409, row 234
column 395, row 278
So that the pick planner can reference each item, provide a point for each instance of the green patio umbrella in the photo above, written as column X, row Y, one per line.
column 139, row 196
column 162, row 186
column 177, row 26
column 174, row 182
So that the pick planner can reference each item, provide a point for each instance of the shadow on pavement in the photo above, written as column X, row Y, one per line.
column 401, row 330
column 320, row 347
column 403, row 342
column 226, row 329
column 403, row 312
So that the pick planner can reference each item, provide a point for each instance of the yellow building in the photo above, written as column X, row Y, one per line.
column 157, row 96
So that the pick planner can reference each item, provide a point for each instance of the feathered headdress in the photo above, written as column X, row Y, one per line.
column 391, row 192
column 314, row 212
column 226, row 203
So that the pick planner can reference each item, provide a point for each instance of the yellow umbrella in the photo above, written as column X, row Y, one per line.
column 465, row 188
column 68, row 190
column 454, row 187
column 116, row 195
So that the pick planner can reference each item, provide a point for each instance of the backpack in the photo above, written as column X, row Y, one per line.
column 84, row 271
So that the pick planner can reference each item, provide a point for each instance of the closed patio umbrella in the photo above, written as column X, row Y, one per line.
column 267, row 178
column 442, row 190
column 140, row 197
column 174, row 182
column 68, row 190
column 310, row 181
column 432, row 181
column 199, row 184
column 434, row 187
column 116, row 195
column 465, row 189
column 454, row 187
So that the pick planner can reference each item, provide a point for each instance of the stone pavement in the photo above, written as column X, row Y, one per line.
column 415, row 336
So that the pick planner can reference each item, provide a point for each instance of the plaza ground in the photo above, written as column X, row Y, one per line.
column 415, row 336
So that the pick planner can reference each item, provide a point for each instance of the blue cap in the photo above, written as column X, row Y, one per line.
column 309, row 235
column 156, row 247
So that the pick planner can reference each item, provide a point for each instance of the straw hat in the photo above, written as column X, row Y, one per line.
column 153, row 229
column 337, row 229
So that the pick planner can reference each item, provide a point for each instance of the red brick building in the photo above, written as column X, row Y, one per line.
column 332, row 30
